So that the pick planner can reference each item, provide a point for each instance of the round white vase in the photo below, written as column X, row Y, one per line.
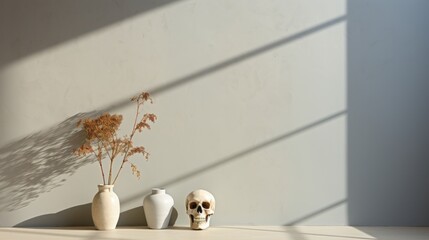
column 105, row 208
column 158, row 207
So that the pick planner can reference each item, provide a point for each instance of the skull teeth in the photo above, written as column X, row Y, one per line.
column 199, row 219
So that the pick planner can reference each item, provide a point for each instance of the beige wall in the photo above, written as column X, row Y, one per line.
column 250, row 95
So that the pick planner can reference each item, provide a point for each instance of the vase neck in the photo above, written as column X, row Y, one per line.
column 158, row 190
column 105, row 188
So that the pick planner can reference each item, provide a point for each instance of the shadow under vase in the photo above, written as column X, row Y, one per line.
column 80, row 215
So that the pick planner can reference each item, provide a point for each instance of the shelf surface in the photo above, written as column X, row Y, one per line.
column 222, row 233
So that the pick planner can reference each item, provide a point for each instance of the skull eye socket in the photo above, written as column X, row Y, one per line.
column 193, row 205
column 206, row 205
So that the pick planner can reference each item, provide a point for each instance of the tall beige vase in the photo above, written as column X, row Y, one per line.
column 105, row 208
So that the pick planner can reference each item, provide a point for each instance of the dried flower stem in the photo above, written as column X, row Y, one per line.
column 111, row 164
column 131, row 138
column 101, row 166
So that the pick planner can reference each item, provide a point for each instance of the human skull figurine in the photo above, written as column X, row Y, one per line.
column 200, row 206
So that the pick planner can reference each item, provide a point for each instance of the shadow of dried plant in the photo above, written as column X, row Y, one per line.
column 40, row 162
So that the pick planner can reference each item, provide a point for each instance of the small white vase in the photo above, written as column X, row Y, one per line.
column 158, row 207
column 105, row 208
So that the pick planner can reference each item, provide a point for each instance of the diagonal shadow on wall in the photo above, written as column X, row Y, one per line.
column 46, row 154
column 38, row 25
column 134, row 217
column 316, row 212
column 231, row 61
column 238, row 155
column 49, row 151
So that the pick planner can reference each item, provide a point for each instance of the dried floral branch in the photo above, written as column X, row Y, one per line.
column 101, row 133
column 140, row 100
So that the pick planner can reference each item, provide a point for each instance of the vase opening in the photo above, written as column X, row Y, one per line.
column 105, row 188
column 158, row 190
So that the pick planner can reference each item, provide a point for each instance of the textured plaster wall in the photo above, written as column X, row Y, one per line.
column 250, row 95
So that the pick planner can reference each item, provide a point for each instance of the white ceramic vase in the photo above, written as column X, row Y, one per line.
column 158, row 207
column 105, row 208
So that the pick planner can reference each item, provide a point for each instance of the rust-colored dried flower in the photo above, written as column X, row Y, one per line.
column 101, row 138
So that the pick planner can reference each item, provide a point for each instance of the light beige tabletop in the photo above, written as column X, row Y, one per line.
column 227, row 232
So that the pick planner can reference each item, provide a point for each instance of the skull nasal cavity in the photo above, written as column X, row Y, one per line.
column 199, row 209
